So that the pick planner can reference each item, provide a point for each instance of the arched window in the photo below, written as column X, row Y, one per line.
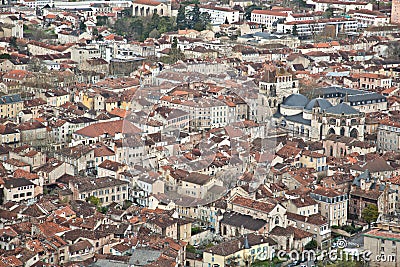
column 354, row 133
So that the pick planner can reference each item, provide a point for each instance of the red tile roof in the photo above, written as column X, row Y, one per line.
column 111, row 128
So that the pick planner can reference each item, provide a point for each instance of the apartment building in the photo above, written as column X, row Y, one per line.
column 373, row 81
column 367, row 18
column 383, row 241
column 82, row 54
column 10, row 105
column 268, row 18
column 395, row 17
column 108, row 190
column 219, row 15
column 343, row 5
column 388, row 138
column 241, row 251
column 332, row 205
column 18, row 189
column 312, row 27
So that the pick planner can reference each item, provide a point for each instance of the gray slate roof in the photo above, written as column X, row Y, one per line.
column 295, row 100
column 342, row 108
column 239, row 220
column 322, row 103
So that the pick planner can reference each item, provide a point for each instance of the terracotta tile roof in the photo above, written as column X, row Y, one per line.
column 49, row 229
column 103, row 151
column 383, row 234
column 19, row 173
column 119, row 112
column 111, row 128
column 252, row 204
column 328, row 192
column 111, row 165
column 288, row 151
column 270, row 13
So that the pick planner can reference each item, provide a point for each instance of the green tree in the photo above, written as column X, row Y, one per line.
column 311, row 245
column 5, row 56
column 94, row 200
column 328, row 13
column 13, row 42
column 175, row 54
column 249, row 9
column 137, row 28
column 155, row 21
column 294, row 30
column 181, row 21
column 193, row 16
column 95, row 32
column 154, row 34
column 101, row 20
column 370, row 213
column 82, row 26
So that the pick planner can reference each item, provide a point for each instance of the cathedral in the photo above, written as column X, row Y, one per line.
column 317, row 118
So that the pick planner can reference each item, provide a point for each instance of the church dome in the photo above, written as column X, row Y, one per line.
column 295, row 100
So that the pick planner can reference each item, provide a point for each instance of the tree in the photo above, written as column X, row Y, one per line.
column 311, row 245
column 5, row 56
column 94, row 200
column 13, row 42
column 155, row 34
column 181, row 18
column 294, row 30
column 249, row 9
column 370, row 213
column 101, row 20
column 82, row 26
column 193, row 16
column 328, row 12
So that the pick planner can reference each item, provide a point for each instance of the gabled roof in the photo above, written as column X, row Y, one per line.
column 245, row 221
column 342, row 108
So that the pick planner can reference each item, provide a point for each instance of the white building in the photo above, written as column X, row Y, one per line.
column 309, row 28
column 219, row 15
column 37, row 3
column 367, row 18
column 345, row 6
column 269, row 18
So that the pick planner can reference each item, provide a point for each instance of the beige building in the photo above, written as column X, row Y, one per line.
column 304, row 205
column 240, row 252
column 332, row 204
column 149, row 7
column 10, row 106
column 315, row 224
column 384, row 243
column 82, row 54
column 18, row 189
column 395, row 17
column 314, row 160
column 108, row 190
column 273, row 214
